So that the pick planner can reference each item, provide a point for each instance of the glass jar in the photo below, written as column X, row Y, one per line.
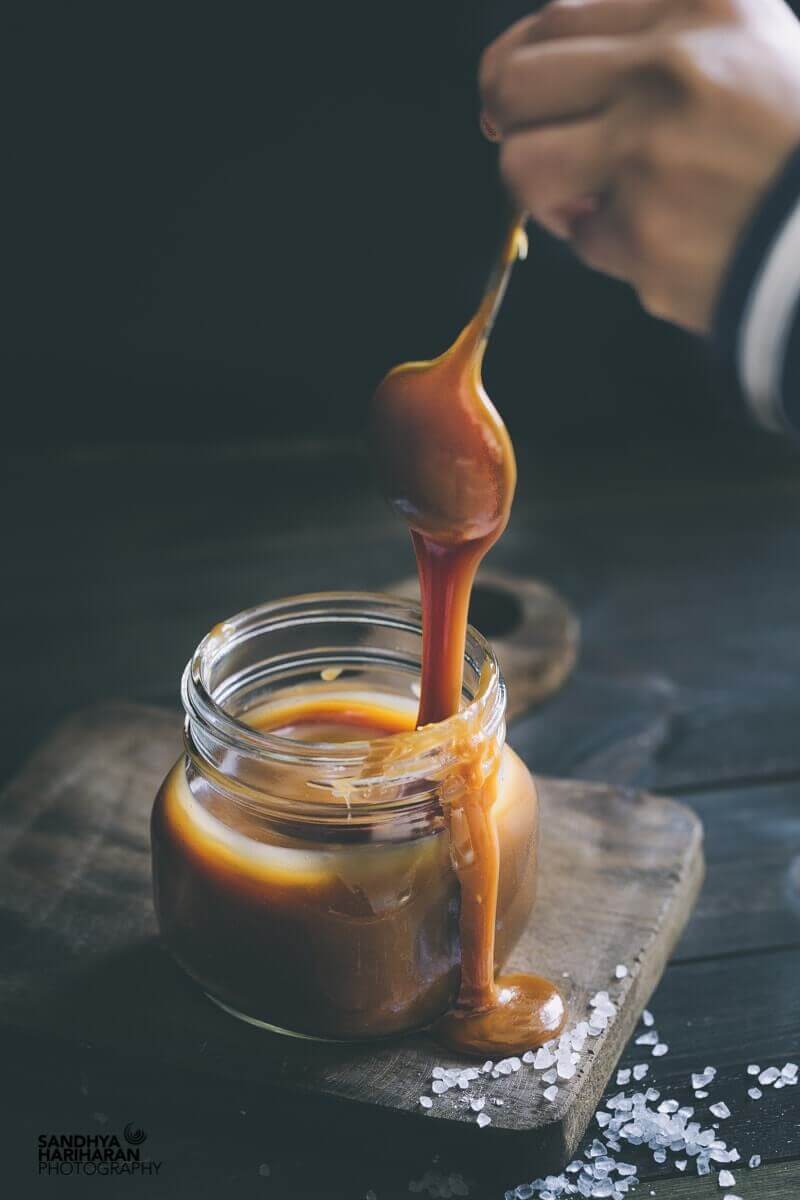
column 312, row 887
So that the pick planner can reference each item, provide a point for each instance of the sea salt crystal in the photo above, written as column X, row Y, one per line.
column 753, row 1069
column 647, row 1018
column 426, row 1102
column 543, row 1059
column 755, row 1161
column 725, row 1179
column 730, row 1196
column 702, row 1080
column 438, row 1087
column 668, row 1106
column 720, row 1110
column 489, row 1066
column 700, row 1095
column 600, row 1000
column 528, row 1056
column 477, row 1104
column 647, row 1039
column 790, row 1070
column 620, row 971
column 550, row 1076
column 755, row 1093
column 660, row 1049
column 483, row 1120
column 680, row 1163
column 769, row 1076
column 603, row 1119
column 550, row 1093
column 566, row 1070
column 640, row 1070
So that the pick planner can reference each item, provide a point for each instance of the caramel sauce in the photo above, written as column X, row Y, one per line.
column 327, row 938
column 449, row 471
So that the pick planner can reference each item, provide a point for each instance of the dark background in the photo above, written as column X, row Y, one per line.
column 227, row 221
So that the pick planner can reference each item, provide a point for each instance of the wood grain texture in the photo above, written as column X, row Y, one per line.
column 778, row 1181
column 751, row 897
column 620, row 872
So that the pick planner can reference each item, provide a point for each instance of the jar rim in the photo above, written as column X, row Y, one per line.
column 486, row 708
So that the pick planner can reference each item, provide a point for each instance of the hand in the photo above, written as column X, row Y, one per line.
column 645, row 131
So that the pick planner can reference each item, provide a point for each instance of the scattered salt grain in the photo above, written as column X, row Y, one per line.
column 543, row 1059
column 755, row 1093
column 550, row 1076
column 755, row 1161
column 620, row 971
column 438, row 1087
column 769, row 1076
column 600, row 1000
column 660, row 1049
column 790, row 1070
column 623, row 1077
column 725, row 1179
column 704, row 1078
column 647, row 1018
column 477, row 1104
column 701, row 1095
column 426, row 1102
column 647, row 1039
column 528, row 1056
column 753, row 1069
column 640, row 1070
column 680, row 1163
column 550, row 1093
column 720, row 1110
column 483, row 1120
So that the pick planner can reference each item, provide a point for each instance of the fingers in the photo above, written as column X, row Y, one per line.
column 553, row 171
column 506, row 68
column 558, row 81
column 595, row 18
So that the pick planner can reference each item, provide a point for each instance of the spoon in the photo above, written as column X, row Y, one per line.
column 448, row 468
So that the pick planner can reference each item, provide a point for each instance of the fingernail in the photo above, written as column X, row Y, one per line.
column 488, row 129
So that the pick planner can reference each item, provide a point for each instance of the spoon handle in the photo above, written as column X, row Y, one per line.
column 515, row 245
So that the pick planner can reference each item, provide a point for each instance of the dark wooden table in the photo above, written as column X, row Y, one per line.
column 683, row 562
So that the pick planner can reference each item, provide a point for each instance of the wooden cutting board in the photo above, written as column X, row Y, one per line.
column 619, row 875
